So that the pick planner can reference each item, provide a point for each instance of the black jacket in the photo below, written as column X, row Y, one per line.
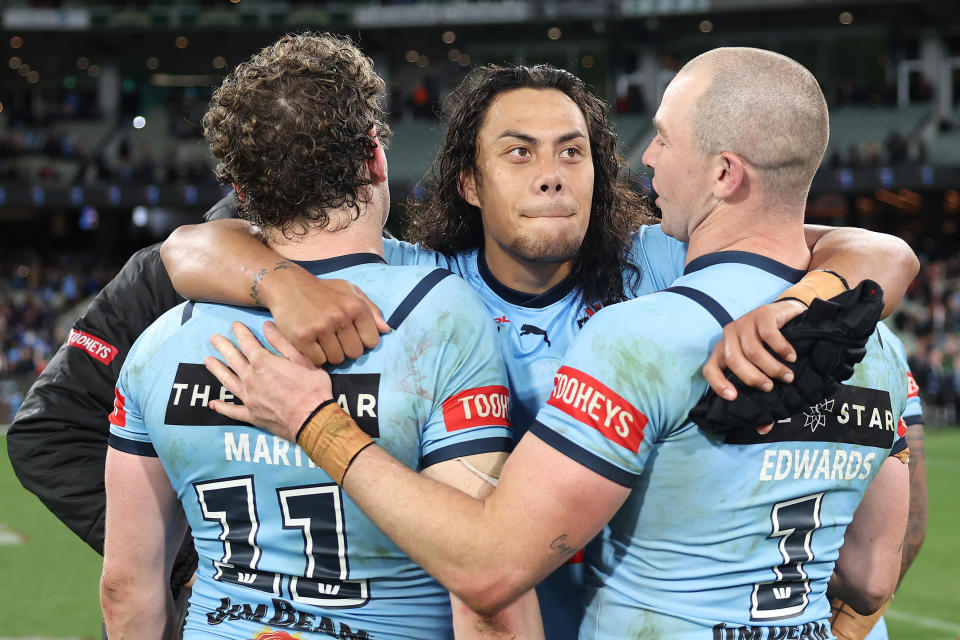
column 58, row 440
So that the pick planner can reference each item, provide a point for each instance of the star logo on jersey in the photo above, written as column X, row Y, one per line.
column 817, row 415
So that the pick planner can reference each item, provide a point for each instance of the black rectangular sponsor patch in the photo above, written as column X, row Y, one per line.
column 194, row 387
column 854, row 415
column 359, row 395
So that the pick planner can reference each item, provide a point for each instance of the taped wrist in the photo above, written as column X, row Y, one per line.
column 847, row 624
column 332, row 439
column 822, row 283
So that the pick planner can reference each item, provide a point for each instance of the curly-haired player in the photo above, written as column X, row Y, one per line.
column 280, row 548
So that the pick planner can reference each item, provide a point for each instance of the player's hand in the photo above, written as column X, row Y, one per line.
column 278, row 392
column 741, row 349
column 326, row 320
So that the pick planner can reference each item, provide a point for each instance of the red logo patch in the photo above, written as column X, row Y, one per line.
column 118, row 416
column 274, row 635
column 901, row 428
column 913, row 389
column 591, row 402
column 96, row 347
column 480, row 407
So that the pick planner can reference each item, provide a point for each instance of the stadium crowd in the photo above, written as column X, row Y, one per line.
column 39, row 299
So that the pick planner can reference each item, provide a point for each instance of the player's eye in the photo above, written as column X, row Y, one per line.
column 520, row 152
column 570, row 152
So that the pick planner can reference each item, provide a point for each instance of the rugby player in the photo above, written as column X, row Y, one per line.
column 280, row 547
column 847, row 623
column 693, row 546
column 529, row 203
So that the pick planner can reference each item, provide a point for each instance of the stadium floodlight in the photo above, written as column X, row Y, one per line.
column 139, row 122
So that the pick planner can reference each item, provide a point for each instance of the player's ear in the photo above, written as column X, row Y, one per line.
column 468, row 187
column 729, row 175
column 377, row 162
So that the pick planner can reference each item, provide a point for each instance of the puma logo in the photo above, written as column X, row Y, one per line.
column 529, row 329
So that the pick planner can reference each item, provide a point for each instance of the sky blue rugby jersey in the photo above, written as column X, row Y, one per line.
column 912, row 415
column 535, row 332
column 719, row 540
column 281, row 546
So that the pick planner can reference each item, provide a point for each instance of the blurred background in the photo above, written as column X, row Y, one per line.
column 101, row 153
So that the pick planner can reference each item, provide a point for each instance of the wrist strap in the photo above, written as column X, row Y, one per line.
column 332, row 439
column 310, row 417
column 816, row 284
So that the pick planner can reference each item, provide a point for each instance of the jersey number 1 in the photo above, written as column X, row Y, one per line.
column 314, row 510
column 793, row 522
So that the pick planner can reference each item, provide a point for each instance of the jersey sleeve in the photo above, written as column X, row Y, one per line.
column 398, row 252
column 620, row 390
column 128, row 432
column 661, row 259
column 471, row 412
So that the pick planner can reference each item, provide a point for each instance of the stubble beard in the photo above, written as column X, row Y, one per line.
column 545, row 251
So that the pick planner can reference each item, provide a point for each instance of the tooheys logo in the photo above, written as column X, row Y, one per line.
column 96, row 347
column 119, row 415
column 194, row 387
column 591, row 402
column 913, row 389
column 479, row 407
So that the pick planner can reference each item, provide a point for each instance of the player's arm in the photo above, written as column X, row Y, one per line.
column 868, row 567
column 475, row 475
column 489, row 552
column 226, row 261
column 917, row 518
column 145, row 526
column 839, row 256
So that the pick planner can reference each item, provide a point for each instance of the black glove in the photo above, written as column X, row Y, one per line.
column 184, row 566
column 829, row 338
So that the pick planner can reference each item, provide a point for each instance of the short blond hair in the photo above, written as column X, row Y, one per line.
column 766, row 108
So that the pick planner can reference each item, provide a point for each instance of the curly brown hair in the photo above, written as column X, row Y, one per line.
column 442, row 220
column 291, row 128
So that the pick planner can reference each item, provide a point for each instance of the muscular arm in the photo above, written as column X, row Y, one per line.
column 867, row 570
column 488, row 552
column 327, row 320
column 522, row 618
column 144, row 528
column 917, row 516
column 858, row 254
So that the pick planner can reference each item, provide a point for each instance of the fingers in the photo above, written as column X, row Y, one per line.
column 249, row 344
column 225, row 375
column 379, row 323
column 276, row 340
column 713, row 372
column 234, row 359
column 772, row 337
column 236, row 412
column 738, row 353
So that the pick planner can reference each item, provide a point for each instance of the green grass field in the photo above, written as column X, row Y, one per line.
column 49, row 582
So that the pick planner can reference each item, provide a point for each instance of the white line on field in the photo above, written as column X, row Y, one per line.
column 932, row 623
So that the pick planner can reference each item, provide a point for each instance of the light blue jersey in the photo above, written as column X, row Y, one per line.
column 535, row 332
column 282, row 549
column 912, row 415
column 719, row 540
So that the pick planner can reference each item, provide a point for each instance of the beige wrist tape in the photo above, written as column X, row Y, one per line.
column 847, row 624
column 816, row 284
column 332, row 440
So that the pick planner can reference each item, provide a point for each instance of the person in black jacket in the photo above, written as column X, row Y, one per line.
column 58, row 440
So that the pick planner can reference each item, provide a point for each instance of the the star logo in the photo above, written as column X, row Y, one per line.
column 817, row 415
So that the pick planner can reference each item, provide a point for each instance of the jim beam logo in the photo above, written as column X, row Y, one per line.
column 194, row 387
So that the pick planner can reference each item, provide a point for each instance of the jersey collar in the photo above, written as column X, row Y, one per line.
column 531, row 300
column 320, row 267
column 745, row 257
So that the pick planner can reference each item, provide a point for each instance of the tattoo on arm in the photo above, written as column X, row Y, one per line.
column 560, row 546
column 255, row 289
column 260, row 275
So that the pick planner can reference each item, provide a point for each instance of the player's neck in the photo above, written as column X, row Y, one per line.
column 362, row 235
column 778, row 236
column 523, row 275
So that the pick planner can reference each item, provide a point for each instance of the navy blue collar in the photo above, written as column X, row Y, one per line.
column 745, row 257
column 319, row 267
column 531, row 300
